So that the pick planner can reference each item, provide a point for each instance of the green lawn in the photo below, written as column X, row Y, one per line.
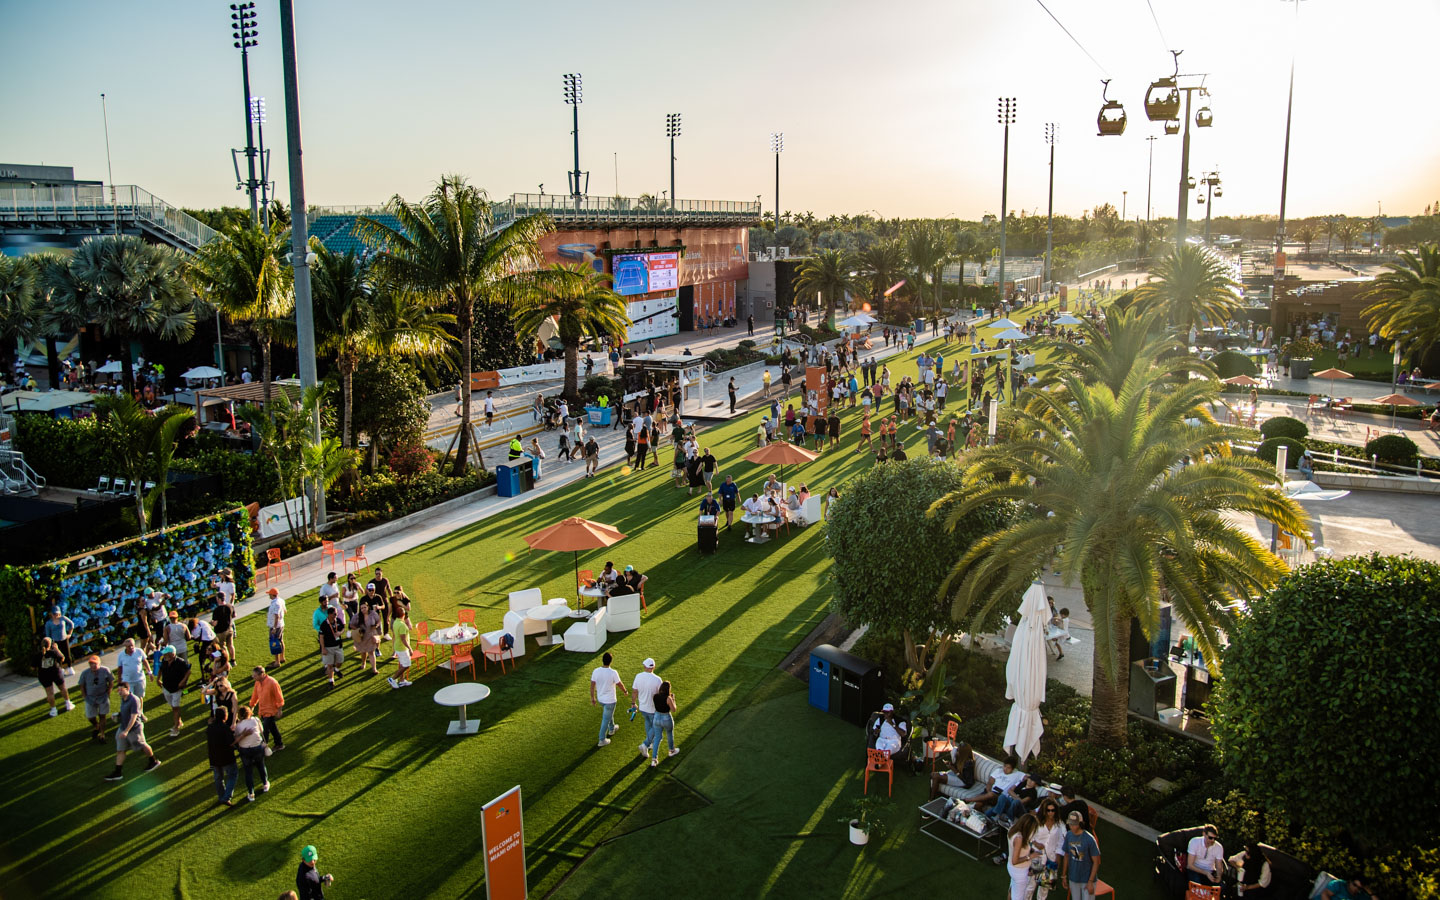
column 371, row 777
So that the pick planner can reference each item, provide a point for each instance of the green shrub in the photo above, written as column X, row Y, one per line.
column 747, row 344
column 1393, row 448
column 1270, row 448
column 244, row 477
column 1286, row 427
column 1229, row 363
column 66, row 452
column 595, row 385
column 392, row 498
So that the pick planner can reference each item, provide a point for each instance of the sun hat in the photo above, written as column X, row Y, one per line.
column 310, row 854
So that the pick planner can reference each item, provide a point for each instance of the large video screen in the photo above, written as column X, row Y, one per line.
column 644, row 273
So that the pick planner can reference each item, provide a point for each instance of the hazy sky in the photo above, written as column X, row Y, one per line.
column 886, row 107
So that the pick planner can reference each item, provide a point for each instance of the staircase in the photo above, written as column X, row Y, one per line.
column 16, row 476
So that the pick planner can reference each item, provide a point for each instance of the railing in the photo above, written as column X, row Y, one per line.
column 96, row 204
column 16, row 476
column 1371, row 466
column 564, row 208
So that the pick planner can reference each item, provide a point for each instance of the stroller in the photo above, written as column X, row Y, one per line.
column 551, row 419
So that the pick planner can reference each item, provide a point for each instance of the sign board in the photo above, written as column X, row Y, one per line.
column 272, row 518
column 645, row 273
column 1280, row 264
column 502, row 832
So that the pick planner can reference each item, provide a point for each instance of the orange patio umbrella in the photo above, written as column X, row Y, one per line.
column 1396, row 400
column 1241, row 380
column 1332, row 374
column 782, row 454
column 573, row 535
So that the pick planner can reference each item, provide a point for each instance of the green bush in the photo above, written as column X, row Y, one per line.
column 1330, row 674
column 1229, row 363
column 1270, row 448
column 1393, row 448
column 70, row 453
column 595, row 385
column 392, row 498
column 1285, row 427
column 244, row 477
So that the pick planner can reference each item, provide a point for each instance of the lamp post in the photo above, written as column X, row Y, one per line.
column 1150, row 178
column 1211, row 182
column 257, row 115
column 1182, row 214
column 777, row 146
column 245, row 35
column 1005, row 115
column 672, row 131
column 1395, row 367
column 1285, row 165
column 1124, row 205
column 574, row 96
column 1050, row 210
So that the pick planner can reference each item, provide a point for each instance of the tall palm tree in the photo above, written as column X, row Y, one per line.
column 19, row 304
column 356, row 319
column 968, row 246
column 144, row 443
column 241, row 273
column 287, row 439
column 1407, row 302
column 1306, row 234
column 1102, row 473
column 128, row 288
column 1192, row 285
column 883, row 264
column 1348, row 231
column 827, row 274
column 585, row 305
column 928, row 246
column 450, row 251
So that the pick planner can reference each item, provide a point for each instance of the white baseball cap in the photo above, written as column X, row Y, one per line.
column 889, row 707
column 649, row 663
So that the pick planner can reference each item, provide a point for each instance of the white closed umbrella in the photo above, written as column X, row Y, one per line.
column 1068, row 319
column 201, row 372
column 112, row 367
column 1025, row 675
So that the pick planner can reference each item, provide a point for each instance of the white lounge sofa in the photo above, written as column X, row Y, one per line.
column 491, row 642
column 622, row 613
column 522, row 602
column 587, row 636
column 811, row 512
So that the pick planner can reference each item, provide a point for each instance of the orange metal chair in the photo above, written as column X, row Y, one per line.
column 585, row 577
column 275, row 564
column 424, row 647
column 937, row 746
column 357, row 558
column 465, row 617
column 1101, row 888
column 330, row 553
column 879, row 761
column 1195, row 891
column 463, row 653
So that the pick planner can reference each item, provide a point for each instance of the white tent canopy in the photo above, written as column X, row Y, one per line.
column 1068, row 319
column 1012, row 334
column 1025, row 675
column 113, row 367
column 859, row 320
column 201, row 372
column 1002, row 323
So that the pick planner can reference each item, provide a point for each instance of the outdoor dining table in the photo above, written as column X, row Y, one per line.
column 757, row 525
column 453, row 636
column 462, row 694
column 596, row 592
column 547, row 614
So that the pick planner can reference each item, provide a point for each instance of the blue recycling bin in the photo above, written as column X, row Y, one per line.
column 599, row 415
column 507, row 480
column 820, row 682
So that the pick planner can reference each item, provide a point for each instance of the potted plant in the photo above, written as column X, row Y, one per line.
column 1302, row 352
column 864, row 820
column 920, row 705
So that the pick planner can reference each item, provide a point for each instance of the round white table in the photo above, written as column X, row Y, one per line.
column 452, row 636
column 461, row 695
column 757, row 534
column 597, row 592
column 547, row 614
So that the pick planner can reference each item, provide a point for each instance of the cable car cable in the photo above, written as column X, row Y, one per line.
column 1072, row 37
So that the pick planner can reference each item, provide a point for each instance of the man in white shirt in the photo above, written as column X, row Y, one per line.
column 603, row 682
column 275, row 621
column 130, row 663
column 489, row 408
column 330, row 591
column 1205, row 857
column 645, row 685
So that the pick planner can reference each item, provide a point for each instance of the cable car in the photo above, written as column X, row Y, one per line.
column 1172, row 127
column 1219, row 193
column 1204, row 118
column 1190, row 182
column 1162, row 100
column 1111, row 120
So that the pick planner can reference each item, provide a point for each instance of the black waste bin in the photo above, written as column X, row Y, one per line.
column 852, row 687
column 1152, row 687
column 707, row 536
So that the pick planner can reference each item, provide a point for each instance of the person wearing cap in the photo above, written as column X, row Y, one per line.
column 268, row 701
column 645, row 685
column 131, row 733
column 174, row 675
column 890, row 733
column 130, row 662
column 632, row 582
column 96, row 683
column 309, row 883
column 222, row 617
column 275, row 621
column 1081, row 865
column 58, row 629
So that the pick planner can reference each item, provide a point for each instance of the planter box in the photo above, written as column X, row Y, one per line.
column 1300, row 368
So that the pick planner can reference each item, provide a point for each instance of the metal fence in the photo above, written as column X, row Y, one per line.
column 96, row 204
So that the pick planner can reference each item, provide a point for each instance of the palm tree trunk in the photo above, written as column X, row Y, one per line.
column 127, row 373
column 140, row 509
column 572, row 372
column 466, row 320
column 1110, row 698
column 265, row 366
column 347, row 382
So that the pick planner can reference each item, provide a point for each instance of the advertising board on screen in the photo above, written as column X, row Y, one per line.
column 644, row 273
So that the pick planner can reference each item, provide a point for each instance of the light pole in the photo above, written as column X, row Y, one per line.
column 1124, row 205
column 1050, row 209
column 114, row 206
column 1211, row 181
column 245, row 34
column 257, row 115
column 1005, row 115
column 777, row 146
column 299, row 239
column 574, row 96
column 1285, row 167
column 1150, row 178
column 672, row 131
column 1182, row 214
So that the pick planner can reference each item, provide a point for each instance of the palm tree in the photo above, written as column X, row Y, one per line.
column 287, row 440
column 968, row 246
column 928, row 244
column 1306, row 234
column 883, row 264
column 827, row 274
column 129, row 288
column 1407, row 302
column 450, row 251
column 144, row 444
column 19, row 303
column 1192, row 285
column 241, row 274
column 585, row 305
column 1348, row 231
column 1103, row 475
column 356, row 320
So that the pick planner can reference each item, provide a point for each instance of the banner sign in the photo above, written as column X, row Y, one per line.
column 272, row 518
column 502, row 831
column 552, row 371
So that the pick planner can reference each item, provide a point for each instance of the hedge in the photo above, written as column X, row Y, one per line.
column 385, row 494
column 1270, row 449
column 1286, row 427
column 1393, row 448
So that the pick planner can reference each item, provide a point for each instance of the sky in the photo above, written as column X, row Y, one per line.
column 886, row 108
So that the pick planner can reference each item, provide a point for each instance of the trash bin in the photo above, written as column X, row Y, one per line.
column 707, row 534
column 507, row 480
column 599, row 415
column 853, row 687
column 1152, row 687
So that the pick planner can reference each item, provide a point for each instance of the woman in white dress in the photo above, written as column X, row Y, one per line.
column 1049, row 835
column 1017, row 861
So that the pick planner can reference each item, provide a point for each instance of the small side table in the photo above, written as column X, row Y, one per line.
column 461, row 695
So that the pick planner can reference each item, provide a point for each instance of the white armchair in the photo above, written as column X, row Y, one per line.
column 492, row 642
column 811, row 512
column 522, row 602
column 587, row 636
column 622, row 613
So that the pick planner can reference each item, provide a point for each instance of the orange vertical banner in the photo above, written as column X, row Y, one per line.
column 502, row 831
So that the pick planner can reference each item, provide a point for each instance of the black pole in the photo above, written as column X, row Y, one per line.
column 672, row 172
column 1049, row 217
column 777, row 198
column 575, row 188
column 250, row 185
column 264, row 174
column 1004, row 200
column 1183, row 213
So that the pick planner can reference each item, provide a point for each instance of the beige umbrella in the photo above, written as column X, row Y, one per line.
column 1396, row 400
column 1331, row 374
column 1242, row 381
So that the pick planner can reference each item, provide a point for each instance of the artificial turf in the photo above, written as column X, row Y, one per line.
column 371, row 778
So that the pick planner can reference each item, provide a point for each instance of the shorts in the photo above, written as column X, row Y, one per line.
column 51, row 677
column 225, row 637
column 332, row 656
column 132, row 741
column 728, row 504
column 173, row 698
column 137, row 688
column 402, row 657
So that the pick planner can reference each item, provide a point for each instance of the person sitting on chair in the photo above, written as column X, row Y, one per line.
column 1252, row 868
column 1205, row 857
column 1306, row 467
column 959, row 771
column 891, row 734
column 1000, row 791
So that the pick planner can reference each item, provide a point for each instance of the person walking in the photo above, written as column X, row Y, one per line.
column 269, row 702
column 401, row 626
column 592, row 457
column 131, row 664
column 58, row 629
column 96, row 683
column 665, row 707
column 251, row 744
column 603, row 682
column 309, row 883
column 1081, row 866
column 489, row 409
column 174, row 674
column 51, row 673
column 332, row 654
column 220, row 747
column 275, row 622
column 645, row 685
column 750, row 324
column 131, row 733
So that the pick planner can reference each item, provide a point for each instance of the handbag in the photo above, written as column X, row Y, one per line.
column 268, row 751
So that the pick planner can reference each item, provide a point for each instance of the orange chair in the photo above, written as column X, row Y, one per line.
column 1194, row 892
column 424, row 647
column 275, row 565
column 879, row 761
column 357, row 558
column 463, row 653
column 937, row 746
column 465, row 617
column 328, row 551
column 585, row 577
column 1101, row 888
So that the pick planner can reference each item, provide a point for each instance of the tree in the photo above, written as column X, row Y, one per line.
column 882, row 518
column 1312, row 665
column 827, row 274
column 19, row 304
column 1406, row 307
column 144, row 443
column 126, row 287
column 1306, row 234
column 1098, row 462
column 969, row 246
column 1348, row 231
column 241, row 274
column 883, row 265
column 389, row 404
column 1192, row 285
column 358, row 321
column 450, row 250
column 928, row 246
column 287, row 440
column 584, row 304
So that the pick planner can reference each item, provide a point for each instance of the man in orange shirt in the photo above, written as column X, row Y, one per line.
column 864, row 432
column 268, row 702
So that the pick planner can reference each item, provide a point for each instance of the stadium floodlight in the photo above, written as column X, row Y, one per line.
column 245, row 33
column 777, row 146
column 574, row 96
column 672, row 131
column 1005, row 115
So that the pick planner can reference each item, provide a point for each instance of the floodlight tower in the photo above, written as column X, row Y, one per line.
column 777, row 146
column 257, row 116
column 1050, row 211
column 245, row 34
column 1005, row 115
column 672, row 131
column 574, row 96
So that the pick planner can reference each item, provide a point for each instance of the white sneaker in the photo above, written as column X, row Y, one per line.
column 603, row 743
column 654, row 762
column 674, row 750
column 406, row 683
column 614, row 728
column 54, row 712
column 393, row 682
column 69, row 706
column 69, row 670
column 644, row 750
